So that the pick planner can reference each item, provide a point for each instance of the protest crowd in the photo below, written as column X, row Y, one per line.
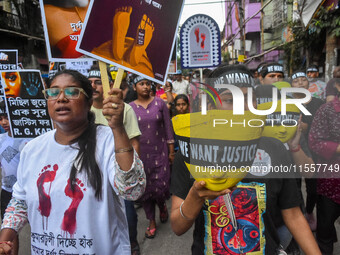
column 229, row 148
column 142, row 118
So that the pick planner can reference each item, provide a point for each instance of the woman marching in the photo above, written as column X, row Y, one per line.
column 70, row 179
column 156, row 150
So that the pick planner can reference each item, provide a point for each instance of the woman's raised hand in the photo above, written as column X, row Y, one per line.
column 203, row 193
column 113, row 108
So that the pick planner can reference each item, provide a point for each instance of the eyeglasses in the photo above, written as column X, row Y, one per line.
column 69, row 93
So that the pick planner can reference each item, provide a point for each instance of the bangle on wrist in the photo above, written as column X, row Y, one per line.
column 128, row 149
column 296, row 149
column 181, row 212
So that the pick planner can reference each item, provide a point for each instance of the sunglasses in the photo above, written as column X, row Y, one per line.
column 69, row 93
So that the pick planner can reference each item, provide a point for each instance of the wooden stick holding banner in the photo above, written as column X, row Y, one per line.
column 119, row 78
column 105, row 78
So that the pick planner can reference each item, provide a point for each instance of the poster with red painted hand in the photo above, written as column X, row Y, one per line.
column 137, row 36
column 63, row 21
column 200, row 42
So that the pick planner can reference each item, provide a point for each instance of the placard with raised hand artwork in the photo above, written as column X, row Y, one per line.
column 137, row 36
column 218, row 148
column 25, row 103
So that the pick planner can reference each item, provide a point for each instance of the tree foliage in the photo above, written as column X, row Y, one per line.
column 308, row 42
column 328, row 20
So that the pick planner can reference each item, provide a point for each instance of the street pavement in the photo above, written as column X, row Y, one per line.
column 165, row 241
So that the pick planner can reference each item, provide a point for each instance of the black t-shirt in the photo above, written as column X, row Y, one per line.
column 257, row 202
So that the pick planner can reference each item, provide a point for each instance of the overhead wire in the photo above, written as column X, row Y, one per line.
column 215, row 2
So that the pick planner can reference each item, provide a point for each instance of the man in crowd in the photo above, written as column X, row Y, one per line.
column 316, row 86
column 270, row 73
column 180, row 86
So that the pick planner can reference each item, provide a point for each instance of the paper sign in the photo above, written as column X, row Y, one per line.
column 81, row 65
column 137, row 36
column 200, row 42
column 62, row 21
column 8, row 59
column 25, row 103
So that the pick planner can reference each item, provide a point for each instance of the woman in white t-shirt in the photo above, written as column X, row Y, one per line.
column 70, row 179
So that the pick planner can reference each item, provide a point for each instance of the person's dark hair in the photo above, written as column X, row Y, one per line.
column 153, row 88
column 181, row 96
column 206, row 72
column 86, row 141
column 124, row 85
column 131, row 95
column 81, row 79
column 170, row 82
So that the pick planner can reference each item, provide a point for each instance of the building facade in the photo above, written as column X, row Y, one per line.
column 21, row 28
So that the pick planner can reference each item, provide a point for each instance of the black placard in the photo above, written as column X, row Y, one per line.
column 27, row 108
column 8, row 60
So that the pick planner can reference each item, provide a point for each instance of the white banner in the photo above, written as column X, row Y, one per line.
column 308, row 8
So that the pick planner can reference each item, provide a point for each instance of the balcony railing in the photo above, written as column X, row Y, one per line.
column 10, row 21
